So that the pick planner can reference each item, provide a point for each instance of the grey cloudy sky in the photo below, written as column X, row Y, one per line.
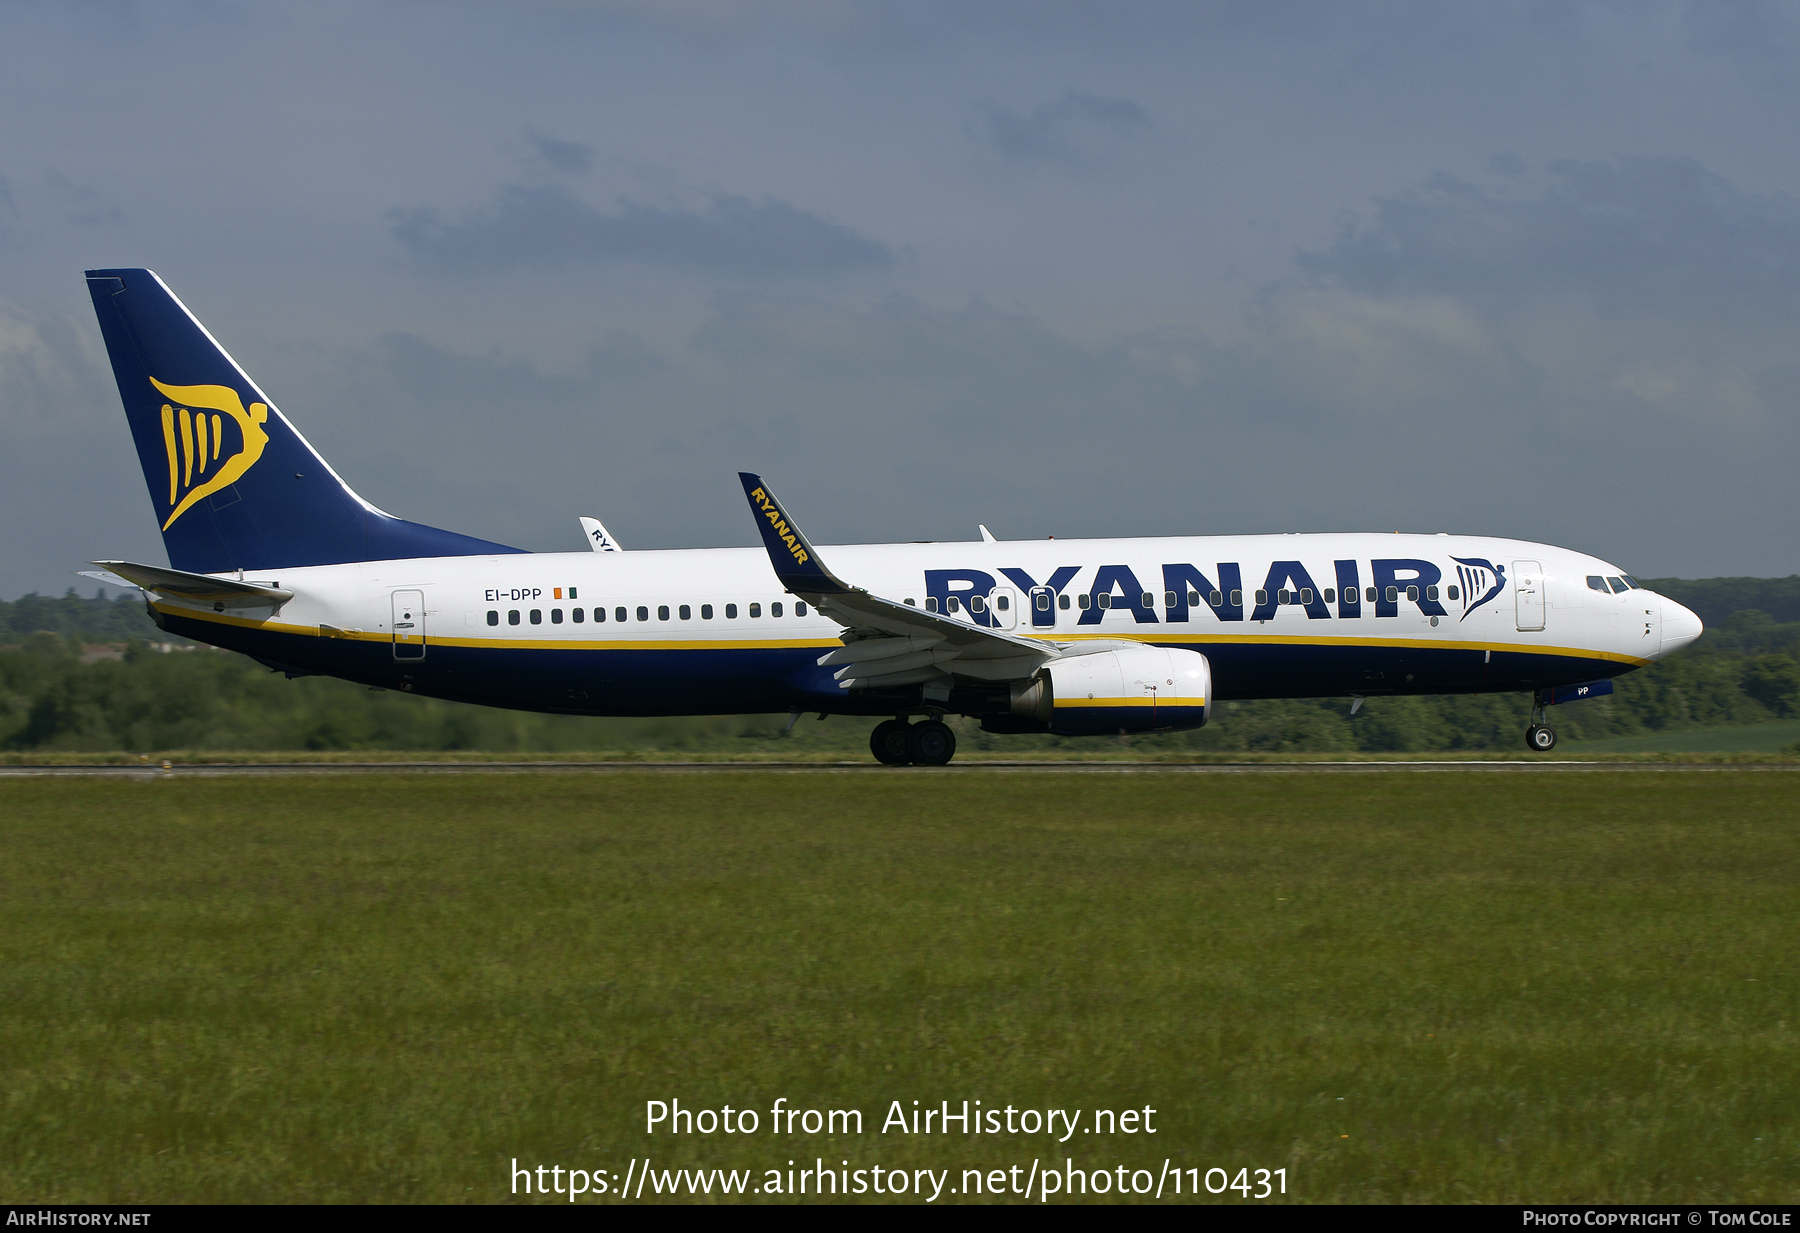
column 1075, row 269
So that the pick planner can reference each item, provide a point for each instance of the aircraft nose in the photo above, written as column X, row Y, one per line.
column 1679, row 627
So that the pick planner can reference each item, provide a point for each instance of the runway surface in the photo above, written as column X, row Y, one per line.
column 227, row 770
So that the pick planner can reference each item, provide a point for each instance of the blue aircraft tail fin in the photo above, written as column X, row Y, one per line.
column 234, row 485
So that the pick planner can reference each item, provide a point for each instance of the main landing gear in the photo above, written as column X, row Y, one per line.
column 898, row 743
column 1539, row 737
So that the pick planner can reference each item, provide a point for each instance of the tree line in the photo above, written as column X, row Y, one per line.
column 93, row 674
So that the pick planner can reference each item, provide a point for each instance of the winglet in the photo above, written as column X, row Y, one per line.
column 796, row 561
column 598, row 537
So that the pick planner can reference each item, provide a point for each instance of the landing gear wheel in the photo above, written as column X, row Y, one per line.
column 1540, row 739
column 930, row 744
column 888, row 742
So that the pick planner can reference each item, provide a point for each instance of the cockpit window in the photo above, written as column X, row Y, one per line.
column 1618, row 586
column 1633, row 583
column 1597, row 583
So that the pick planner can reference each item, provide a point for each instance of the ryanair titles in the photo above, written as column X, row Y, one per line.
column 1351, row 588
column 779, row 524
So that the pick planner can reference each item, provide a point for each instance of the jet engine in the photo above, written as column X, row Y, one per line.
column 1131, row 689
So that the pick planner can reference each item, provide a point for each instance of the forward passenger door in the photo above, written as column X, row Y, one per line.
column 1528, row 594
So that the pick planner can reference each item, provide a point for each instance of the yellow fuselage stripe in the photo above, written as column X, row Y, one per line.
column 736, row 644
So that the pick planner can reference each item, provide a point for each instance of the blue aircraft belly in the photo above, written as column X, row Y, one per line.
column 748, row 680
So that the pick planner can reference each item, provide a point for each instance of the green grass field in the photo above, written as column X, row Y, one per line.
column 1743, row 738
column 1397, row 986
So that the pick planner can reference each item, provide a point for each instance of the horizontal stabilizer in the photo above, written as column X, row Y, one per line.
column 107, row 576
column 198, row 588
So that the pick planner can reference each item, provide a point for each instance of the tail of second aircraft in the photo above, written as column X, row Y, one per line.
column 234, row 485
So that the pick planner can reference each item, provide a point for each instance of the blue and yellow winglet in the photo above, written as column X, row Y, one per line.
column 796, row 561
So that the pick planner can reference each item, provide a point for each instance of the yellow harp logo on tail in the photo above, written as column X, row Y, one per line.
column 194, row 440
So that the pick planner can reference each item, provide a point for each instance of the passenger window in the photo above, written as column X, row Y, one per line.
column 775, row 610
column 537, row 616
column 1393, row 595
column 1330, row 595
column 575, row 615
column 512, row 616
column 977, row 604
column 1147, row 600
column 1283, row 597
column 800, row 608
column 1452, row 593
column 1000, row 602
column 1084, row 600
column 755, row 610
column 1104, row 599
column 1193, row 599
column 1618, row 586
column 950, row 604
column 931, row 604
column 493, row 617
column 1062, row 601
column 910, row 604
column 619, row 615
column 1215, row 599
column 1597, row 583
column 706, row 612
column 1430, row 592
column 662, row 612
column 1306, row 595
column 1237, row 599
column 685, row 613
column 1041, row 601
column 643, row 613
column 1371, row 595
column 1262, row 597
column 1412, row 593
column 556, row 616
column 731, row 612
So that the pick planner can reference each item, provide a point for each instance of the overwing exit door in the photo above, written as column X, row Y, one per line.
column 409, row 625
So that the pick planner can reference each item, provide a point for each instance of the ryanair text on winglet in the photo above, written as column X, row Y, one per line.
column 773, row 513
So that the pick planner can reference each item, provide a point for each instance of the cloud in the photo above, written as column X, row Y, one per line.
column 1075, row 127
column 81, row 205
column 69, row 466
column 548, row 225
column 570, row 157
column 1633, row 237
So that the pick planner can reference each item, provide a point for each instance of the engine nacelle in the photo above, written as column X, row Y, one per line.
column 1134, row 689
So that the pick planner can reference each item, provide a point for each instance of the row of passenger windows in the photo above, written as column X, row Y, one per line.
column 1041, row 601
column 683, row 612
column 979, row 604
column 1620, row 584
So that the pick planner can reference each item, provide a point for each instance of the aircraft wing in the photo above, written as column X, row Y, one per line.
column 176, row 584
column 886, row 642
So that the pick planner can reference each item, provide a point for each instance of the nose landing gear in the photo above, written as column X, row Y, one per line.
column 898, row 743
column 1539, row 737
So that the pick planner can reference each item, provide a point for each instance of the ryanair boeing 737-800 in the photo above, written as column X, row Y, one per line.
column 273, row 555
